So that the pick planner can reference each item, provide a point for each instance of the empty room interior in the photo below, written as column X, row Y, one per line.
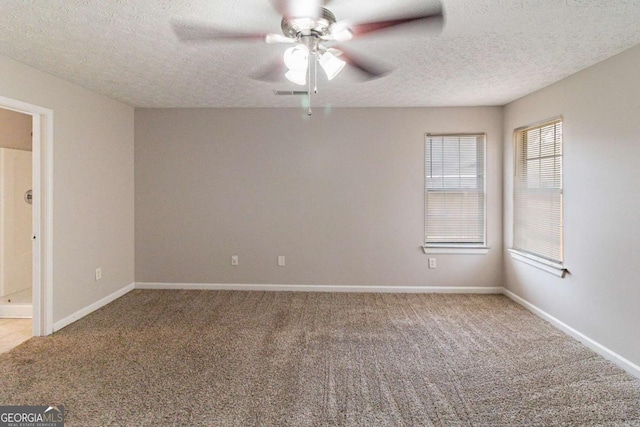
column 309, row 213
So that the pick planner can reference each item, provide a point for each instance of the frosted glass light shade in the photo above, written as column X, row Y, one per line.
column 297, row 57
column 298, row 77
column 331, row 64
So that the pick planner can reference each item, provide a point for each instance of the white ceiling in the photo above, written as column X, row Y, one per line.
column 490, row 52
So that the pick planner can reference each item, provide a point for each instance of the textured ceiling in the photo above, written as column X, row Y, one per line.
column 490, row 52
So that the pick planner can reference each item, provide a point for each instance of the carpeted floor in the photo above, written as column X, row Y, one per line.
column 223, row 358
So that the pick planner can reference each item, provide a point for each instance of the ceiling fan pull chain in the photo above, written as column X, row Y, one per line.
column 309, row 112
column 315, row 73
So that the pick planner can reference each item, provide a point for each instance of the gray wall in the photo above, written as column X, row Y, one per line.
column 340, row 194
column 15, row 130
column 601, row 296
column 92, row 185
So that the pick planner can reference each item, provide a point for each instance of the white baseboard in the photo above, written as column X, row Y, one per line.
column 16, row 311
column 322, row 288
column 603, row 351
column 92, row 307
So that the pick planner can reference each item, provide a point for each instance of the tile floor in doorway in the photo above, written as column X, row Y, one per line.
column 13, row 332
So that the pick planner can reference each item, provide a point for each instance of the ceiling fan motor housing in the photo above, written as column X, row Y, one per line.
column 306, row 26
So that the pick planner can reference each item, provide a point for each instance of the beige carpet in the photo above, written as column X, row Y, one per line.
column 190, row 358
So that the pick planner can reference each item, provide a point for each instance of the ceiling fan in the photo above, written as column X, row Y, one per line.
column 315, row 34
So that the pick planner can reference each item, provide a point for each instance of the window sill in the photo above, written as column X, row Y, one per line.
column 461, row 250
column 548, row 266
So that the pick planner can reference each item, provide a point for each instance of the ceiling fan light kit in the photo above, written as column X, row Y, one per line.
column 297, row 59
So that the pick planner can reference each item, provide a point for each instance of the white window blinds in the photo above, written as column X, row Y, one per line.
column 538, row 191
column 455, row 190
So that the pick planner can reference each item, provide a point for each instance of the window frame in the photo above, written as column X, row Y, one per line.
column 457, row 247
column 536, row 260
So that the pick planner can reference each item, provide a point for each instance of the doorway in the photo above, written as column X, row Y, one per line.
column 16, row 219
column 38, row 200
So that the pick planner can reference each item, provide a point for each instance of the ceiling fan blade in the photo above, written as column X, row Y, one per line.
column 298, row 8
column 279, row 6
column 278, row 38
column 370, row 69
column 434, row 19
column 188, row 31
column 272, row 72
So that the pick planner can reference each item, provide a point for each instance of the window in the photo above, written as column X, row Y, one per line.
column 538, row 192
column 455, row 191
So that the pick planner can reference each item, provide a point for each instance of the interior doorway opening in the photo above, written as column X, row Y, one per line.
column 39, row 199
column 16, row 216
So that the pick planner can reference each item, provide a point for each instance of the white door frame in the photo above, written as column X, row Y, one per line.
column 42, row 248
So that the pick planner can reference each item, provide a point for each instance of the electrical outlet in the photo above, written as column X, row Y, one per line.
column 281, row 260
column 432, row 263
column 234, row 259
column 98, row 273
